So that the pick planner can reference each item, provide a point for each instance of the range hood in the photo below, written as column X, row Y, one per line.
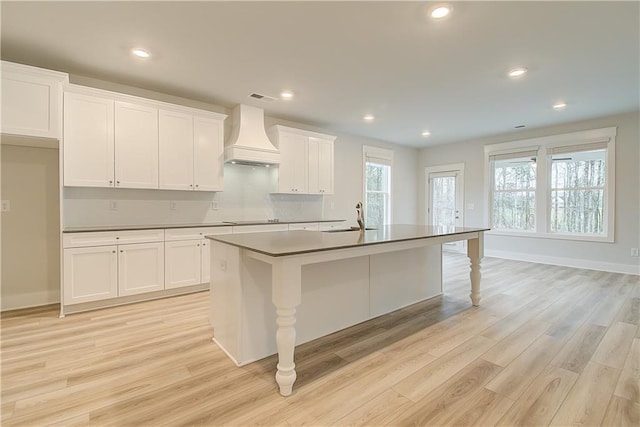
column 249, row 143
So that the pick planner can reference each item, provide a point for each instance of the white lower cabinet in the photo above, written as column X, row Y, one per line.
column 187, row 255
column 140, row 268
column 308, row 226
column 90, row 274
column 183, row 263
column 103, row 265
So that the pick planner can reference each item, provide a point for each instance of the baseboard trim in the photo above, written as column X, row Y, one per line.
column 566, row 262
column 29, row 300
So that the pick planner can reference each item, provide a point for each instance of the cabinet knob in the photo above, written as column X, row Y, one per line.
column 198, row 245
column 121, row 251
column 110, row 181
column 197, row 186
column 117, row 238
column 117, row 182
column 113, row 252
column 191, row 185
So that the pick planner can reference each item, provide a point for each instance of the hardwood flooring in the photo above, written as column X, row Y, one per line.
column 548, row 346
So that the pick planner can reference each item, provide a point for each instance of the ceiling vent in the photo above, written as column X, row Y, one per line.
column 262, row 97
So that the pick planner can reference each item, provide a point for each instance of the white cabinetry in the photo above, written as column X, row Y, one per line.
column 116, row 140
column 88, row 141
column 293, row 171
column 140, row 268
column 90, row 274
column 31, row 100
column 320, row 166
column 136, row 145
column 306, row 161
column 191, row 152
column 259, row 228
column 307, row 226
column 101, row 265
column 187, row 255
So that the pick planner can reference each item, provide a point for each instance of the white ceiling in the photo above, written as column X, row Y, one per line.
column 345, row 59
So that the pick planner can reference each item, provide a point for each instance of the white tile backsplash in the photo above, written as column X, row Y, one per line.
column 246, row 196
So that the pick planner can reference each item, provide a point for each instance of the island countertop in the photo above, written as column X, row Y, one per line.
column 285, row 243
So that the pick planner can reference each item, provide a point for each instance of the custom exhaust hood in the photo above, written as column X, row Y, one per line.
column 249, row 143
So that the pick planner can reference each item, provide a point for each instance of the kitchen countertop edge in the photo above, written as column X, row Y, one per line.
column 160, row 226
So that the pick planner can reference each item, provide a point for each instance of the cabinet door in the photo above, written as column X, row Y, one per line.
column 136, row 145
column 140, row 268
column 314, row 173
column 293, row 163
column 90, row 274
column 88, row 141
column 30, row 102
column 182, row 265
column 175, row 137
column 325, row 166
column 208, row 154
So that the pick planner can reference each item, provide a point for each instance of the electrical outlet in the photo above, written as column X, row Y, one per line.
column 113, row 205
column 214, row 206
column 172, row 205
column 6, row 206
column 634, row 251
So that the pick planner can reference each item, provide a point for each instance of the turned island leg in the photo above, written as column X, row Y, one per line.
column 286, row 291
column 475, row 252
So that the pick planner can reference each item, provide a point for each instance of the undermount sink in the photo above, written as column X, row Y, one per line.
column 343, row 230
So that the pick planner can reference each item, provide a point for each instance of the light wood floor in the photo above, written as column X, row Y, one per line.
column 548, row 346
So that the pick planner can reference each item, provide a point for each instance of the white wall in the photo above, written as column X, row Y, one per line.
column 30, row 230
column 603, row 256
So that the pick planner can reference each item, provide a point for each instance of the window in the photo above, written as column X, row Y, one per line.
column 377, row 186
column 577, row 192
column 514, row 193
column 560, row 186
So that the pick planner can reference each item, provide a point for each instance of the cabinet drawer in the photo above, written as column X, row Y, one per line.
column 103, row 238
column 174, row 234
column 259, row 228
column 324, row 226
column 308, row 226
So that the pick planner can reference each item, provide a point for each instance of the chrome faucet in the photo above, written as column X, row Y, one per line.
column 360, row 211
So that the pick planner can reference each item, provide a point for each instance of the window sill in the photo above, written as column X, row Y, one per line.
column 553, row 236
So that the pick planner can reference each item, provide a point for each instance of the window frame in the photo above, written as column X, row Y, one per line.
column 544, row 147
column 381, row 156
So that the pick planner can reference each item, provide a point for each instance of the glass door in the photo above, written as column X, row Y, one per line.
column 445, row 203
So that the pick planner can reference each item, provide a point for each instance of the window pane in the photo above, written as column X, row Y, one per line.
column 377, row 194
column 514, row 210
column 577, row 192
column 444, row 201
column 515, row 174
column 377, row 207
column 377, row 177
column 514, row 194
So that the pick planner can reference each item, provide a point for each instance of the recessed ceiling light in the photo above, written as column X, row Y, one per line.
column 559, row 106
column 426, row 133
column 368, row 118
column 286, row 94
column 140, row 53
column 441, row 11
column 517, row 72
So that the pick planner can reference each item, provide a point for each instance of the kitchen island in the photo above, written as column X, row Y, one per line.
column 271, row 291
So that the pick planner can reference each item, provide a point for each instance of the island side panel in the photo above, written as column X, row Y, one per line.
column 225, row 298
column 402, row 278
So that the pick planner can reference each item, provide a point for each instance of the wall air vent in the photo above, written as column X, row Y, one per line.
column 262, row 97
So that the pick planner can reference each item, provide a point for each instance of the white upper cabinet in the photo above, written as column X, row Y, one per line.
column 31, row 100
column 88, row 141
column 306, row 161
column 320, row 166
column 136, row 145
column 208, row 154
column 122, row 141
column 293, row 173
column 176, row 150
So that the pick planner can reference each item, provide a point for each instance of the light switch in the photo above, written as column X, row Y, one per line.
column 6, row 206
